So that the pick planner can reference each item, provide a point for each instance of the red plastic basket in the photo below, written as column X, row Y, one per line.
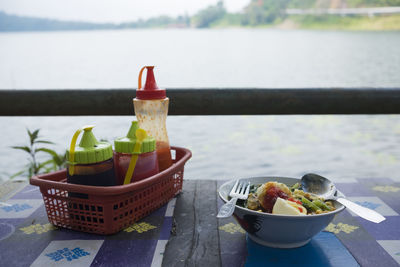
column 107, row 210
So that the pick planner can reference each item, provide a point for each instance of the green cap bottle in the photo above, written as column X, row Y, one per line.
column 89, row 150
column 127, row 143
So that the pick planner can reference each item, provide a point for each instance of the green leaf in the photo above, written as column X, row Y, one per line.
column 62, row 161
column 48, row 151
column 34, row 167
column 55, row 157
column 30, row 172
column 50, row 168
column 44, row 165
column 18, row 173
column 24, row 148
column 59, row 160
column 44, row 142
column 33, row 136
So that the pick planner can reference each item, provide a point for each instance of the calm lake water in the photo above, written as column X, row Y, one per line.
column 224, row 147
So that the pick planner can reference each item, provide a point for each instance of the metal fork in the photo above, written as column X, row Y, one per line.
column 239, row 191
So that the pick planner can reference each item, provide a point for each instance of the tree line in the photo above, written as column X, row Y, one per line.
column 257, row 12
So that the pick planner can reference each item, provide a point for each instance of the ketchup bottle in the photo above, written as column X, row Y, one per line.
column 151, row 110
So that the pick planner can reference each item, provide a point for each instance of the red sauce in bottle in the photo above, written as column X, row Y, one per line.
column 146, row 166
column 151, row 109
column 163, row 155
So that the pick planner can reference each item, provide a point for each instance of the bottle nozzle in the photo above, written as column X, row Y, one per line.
column 150, row 80
column 150, row 89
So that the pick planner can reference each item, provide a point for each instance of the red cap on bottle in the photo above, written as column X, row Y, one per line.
column 150, row 90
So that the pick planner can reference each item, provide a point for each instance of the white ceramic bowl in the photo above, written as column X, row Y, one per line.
column 279, row 231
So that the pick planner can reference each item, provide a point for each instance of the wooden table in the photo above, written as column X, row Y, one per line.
column 197, row 238
column 201, row 239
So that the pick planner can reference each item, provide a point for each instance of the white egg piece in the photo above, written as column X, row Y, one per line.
column 284, row 208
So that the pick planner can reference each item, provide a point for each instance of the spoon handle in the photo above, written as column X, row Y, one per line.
column 361, row 211
column 227, row 209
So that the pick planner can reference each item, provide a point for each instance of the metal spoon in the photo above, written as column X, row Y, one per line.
column 323, row 187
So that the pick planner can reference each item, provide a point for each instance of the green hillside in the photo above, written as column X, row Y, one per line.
column 258, row 13
column 271, row 13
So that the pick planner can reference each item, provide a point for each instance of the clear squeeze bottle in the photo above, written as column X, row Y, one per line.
column 146, row 165
column 151, row 109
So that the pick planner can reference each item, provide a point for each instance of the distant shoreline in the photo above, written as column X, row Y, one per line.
column 350, row 23
column 12, row 23
column 332, row 22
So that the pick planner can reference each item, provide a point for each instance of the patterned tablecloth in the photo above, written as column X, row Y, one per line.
column 348, row 241
column 28, row 239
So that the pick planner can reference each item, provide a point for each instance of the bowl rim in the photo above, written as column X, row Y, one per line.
column 265, row 214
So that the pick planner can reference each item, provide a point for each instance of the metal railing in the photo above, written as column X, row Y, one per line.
column 204, row 101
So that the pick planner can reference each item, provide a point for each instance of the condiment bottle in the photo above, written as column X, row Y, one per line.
column 146, row 165
column 151, row 109
column 90, row 163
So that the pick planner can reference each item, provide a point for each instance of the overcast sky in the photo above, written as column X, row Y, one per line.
column 111, row 10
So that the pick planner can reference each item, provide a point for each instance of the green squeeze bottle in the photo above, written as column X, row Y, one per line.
column 146, row 164
column 91, row 162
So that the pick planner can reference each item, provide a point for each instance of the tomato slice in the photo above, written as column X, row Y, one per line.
column 270, row 198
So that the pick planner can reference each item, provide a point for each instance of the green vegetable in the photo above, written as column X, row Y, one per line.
column 253, row 188
column 321, row 205
column 295, row 186
column 309, row 205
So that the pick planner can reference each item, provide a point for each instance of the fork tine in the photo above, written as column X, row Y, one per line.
column 242, row 190
column 247, row 189
column 236, row 193
column 234, row 188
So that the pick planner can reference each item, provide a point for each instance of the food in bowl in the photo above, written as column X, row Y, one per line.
column 277, row 198
column 276, row 230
